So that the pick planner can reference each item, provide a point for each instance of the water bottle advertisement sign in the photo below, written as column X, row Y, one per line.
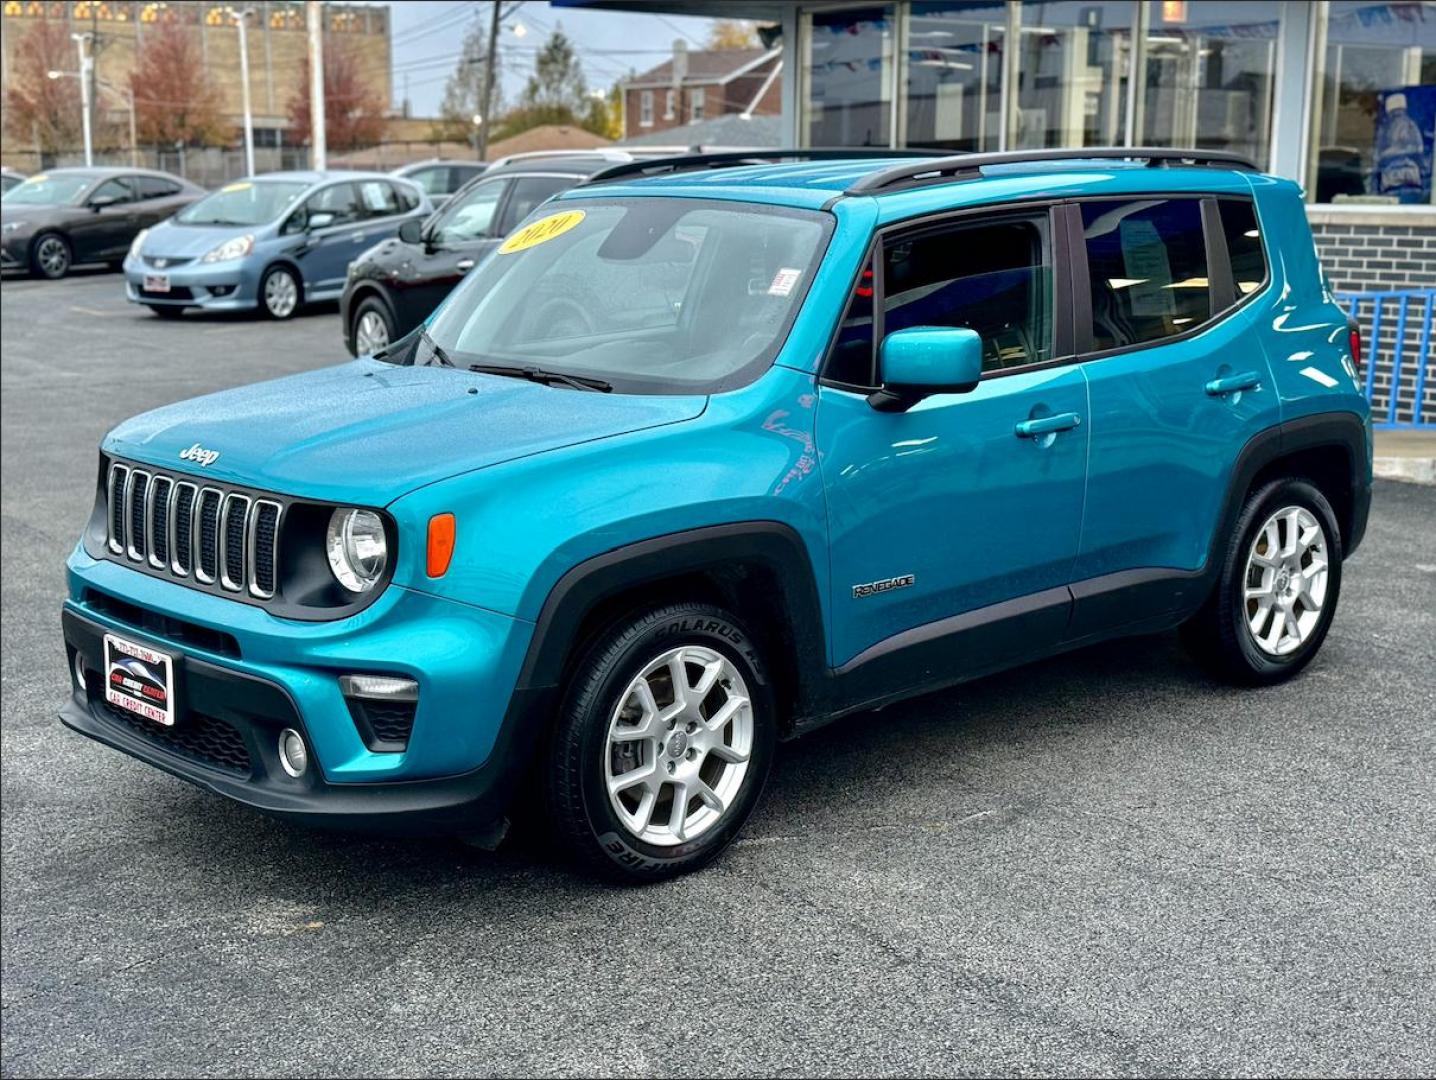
column 1405, row 141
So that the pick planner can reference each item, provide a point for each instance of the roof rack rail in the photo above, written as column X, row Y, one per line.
column 728, row 159
column 970, row 166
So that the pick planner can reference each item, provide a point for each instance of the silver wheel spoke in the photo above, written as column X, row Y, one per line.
column 659, row 742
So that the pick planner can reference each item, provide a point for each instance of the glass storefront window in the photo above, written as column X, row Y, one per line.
column 1210, row 71
column 954, row 74
column 1374, row 104
column 1074, row 59
column 847, row 76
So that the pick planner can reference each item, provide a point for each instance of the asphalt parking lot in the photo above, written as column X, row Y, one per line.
column 1100, row 864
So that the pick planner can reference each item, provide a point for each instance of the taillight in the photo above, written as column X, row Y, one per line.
column 1356, row 348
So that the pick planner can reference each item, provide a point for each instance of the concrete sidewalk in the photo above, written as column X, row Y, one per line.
column 1406, row 455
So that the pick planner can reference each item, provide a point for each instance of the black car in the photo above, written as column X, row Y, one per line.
column 394, row 285
column 62, row 217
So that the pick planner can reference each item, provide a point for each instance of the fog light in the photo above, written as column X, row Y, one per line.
column 292, row 754
column 79, row 669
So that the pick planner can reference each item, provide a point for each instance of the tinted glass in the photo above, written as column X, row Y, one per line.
column 49, row 189
column 846, row 77
column 652, row 294
column 1148, row 263
column 378, row 198
column 528, row 192
column 470, row 216
column 852, row 357
column 153, row 187
column 1073, row 63
column 434, row 180
column 117, row 190
column 462, row 174
column 1239, row 223
column 954, row 74
column 245, row 202
column 994, row 277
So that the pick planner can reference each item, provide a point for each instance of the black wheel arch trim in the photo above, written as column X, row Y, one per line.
column 772, row 545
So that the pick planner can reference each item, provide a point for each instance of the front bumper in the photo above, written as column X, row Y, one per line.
column 242, row 676
column 226, row 286
column 15, row 251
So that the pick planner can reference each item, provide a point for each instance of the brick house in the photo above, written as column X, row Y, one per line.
column 697, row 85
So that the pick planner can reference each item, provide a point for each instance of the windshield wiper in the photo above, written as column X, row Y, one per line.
column 548, row 378
column 437, row 351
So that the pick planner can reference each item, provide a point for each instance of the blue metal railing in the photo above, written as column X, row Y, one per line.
column 1413, row 312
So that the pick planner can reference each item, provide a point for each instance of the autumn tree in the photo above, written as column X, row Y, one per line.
column 732, row 34
column 353, row 106
column 176, row 101
column 38, row 109
column 464, row 92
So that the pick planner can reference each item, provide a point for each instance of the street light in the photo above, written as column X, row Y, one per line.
column 241, row 19
column 127, row 95
column 85, row 62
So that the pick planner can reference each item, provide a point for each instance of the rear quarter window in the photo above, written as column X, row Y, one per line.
column 1244, row 245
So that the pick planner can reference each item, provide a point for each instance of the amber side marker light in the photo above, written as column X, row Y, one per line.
column 441, row 544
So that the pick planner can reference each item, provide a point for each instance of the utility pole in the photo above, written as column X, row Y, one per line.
column 80, row 40
column 486, row 109
column 134, row 143
column 317, row 156
column 241, row 19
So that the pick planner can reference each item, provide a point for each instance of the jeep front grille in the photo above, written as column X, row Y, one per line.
column 178, row 526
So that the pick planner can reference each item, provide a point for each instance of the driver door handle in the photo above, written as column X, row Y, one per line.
column 1046, row 425
column 1231, row 384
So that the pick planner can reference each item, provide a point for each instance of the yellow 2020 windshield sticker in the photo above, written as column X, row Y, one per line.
column 239, row 185
column 541, row 231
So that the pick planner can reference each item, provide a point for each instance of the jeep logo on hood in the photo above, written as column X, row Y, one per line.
column 199, row 455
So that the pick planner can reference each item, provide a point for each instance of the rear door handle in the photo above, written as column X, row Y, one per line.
column 1231, row 384
column 465, row 265
column 1046, row 425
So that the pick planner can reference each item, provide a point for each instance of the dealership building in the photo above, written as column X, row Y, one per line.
column 1339, row 95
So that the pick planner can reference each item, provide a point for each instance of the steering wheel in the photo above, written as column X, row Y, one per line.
column 560, row 317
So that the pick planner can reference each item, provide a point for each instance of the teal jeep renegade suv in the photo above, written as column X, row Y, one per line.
column 711, row 451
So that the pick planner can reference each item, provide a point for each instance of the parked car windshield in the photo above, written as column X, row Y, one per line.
column 652, row 295
column 245, row 202
column 50, row 189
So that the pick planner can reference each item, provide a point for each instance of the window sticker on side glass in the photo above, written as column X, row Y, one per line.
column 1144, row 257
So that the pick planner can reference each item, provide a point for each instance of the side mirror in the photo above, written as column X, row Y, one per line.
column 412, row 231
column 925, row 360
column 319, row 220
column 99, row 202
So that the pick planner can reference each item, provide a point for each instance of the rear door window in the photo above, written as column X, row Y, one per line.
column 528, row 192
column 154, row 187
column 1147, row 264
column 339, row 200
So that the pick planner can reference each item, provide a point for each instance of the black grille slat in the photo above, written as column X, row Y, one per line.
column 266, row 529
column 139, row 484
column 208, row 560
column 184, row 528
column 236, row 515
column 160, row 521
column 119, row 475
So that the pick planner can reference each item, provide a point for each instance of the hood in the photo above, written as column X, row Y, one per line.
column 367, row 432
column 170, row 241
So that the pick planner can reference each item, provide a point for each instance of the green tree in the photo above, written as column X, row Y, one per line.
column 464, row 92
column 557, row 85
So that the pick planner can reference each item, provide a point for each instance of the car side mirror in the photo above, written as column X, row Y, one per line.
column 412, row 231
column 320, row 220
column 926, row 360
column 99, row 202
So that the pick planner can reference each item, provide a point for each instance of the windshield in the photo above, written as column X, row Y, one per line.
column 52, row 189
column 245, row 202
column 653, row 295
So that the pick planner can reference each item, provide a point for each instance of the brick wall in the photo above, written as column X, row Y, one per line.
column 1373, row 250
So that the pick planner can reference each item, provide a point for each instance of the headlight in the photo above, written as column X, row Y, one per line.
column 136, row 242
column 237, row 248
column 357, row 548
column 9, row 227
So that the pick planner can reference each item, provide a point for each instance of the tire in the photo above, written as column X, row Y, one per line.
column 50, row 256
column 165, row 312
column 730, row 757
column 371, row 319
column 276, row 299
column 1269, row 614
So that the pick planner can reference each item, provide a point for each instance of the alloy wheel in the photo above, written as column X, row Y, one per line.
column 281, row 294
column 53, row 256
column 372, row 334
column 1286, row 580
column 678, row 746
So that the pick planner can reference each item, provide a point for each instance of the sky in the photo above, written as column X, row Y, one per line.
column 428, row 35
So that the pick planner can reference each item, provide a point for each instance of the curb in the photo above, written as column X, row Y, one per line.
column 1413, row 470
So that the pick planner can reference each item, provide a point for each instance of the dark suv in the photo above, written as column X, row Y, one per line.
column 394, row 285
